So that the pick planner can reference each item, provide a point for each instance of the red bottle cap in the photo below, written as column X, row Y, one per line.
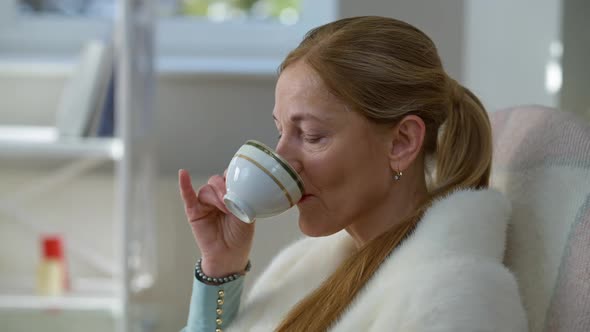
column 52, row 247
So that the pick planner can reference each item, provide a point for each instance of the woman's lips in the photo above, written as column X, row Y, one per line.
column 305, row 197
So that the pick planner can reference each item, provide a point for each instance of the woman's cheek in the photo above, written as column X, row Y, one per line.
column 322, row 168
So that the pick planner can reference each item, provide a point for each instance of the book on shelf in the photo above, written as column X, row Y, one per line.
column 102, row 122
column 85, row 94
column 106, row 126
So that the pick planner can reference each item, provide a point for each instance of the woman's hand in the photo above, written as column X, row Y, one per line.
column 224, row 240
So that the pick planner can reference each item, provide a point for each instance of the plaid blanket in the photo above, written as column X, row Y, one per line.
column 542, row 163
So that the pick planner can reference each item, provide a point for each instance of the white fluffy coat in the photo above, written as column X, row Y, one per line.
column 446, row 277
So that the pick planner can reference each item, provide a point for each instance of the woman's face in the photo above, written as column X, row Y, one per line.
column 341, row 156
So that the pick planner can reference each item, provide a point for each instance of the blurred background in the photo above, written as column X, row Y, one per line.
column 102, row 101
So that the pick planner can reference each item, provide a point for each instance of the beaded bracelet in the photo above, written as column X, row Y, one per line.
column 217, row 281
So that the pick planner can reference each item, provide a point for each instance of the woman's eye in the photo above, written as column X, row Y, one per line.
column 312, row 139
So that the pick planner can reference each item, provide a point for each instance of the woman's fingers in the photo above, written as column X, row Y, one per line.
column 193, row 206
column 187, row 192
column 218, row 185
column 208, row 197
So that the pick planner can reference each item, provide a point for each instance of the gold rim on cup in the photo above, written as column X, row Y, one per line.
column 280, row 160
column 267, row 172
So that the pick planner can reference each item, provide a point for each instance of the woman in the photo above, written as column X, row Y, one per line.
column 402, row 232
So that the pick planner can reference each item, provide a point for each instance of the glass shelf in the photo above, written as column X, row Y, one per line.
column 44, row 142
column 86, row 295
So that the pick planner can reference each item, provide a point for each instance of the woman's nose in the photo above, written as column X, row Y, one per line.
column 290, row 155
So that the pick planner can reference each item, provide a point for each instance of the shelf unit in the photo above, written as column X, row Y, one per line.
column 104, row 297
column 132, row 271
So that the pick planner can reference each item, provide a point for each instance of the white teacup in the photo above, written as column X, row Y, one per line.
column 260, row 183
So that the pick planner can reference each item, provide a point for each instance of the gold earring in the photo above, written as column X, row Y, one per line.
column 397, row 176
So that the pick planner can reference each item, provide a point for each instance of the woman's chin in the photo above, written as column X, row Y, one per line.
column 315, row 228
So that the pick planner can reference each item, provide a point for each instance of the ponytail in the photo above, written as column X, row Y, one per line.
column 464, row 149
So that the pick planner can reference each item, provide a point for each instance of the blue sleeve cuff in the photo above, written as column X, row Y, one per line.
column 213, row 306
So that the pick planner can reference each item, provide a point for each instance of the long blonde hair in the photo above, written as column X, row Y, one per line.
column 386, row 69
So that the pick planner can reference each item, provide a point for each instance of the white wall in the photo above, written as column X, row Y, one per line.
column 201, row 121
column 443, row 21
column 507, row 49
column 28, row 98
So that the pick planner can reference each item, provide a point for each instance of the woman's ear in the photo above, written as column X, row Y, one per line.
column 407, row 138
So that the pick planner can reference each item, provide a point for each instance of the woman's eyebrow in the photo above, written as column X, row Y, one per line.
column 298, row 117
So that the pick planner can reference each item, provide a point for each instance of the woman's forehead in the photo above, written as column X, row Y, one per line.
column 300, row 80
column 301, row 93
